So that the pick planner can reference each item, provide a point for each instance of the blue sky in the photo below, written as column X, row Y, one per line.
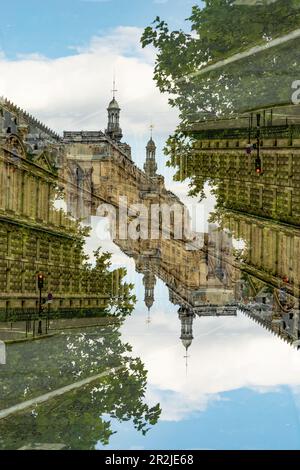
column 58, row 57
column 67, row 85
column 52, row 27
column 242, row 420
column 240, row 391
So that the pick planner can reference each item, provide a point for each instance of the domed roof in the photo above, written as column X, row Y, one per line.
column 151, row 144
column 113, row 104
column 183, row 311
column 149, row 302
column 187, row 342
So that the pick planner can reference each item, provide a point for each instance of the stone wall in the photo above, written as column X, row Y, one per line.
column 221, row 158
column 36, row 237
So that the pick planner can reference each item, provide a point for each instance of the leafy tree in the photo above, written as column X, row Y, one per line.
column 110, row 282
column 218, row 30
column 81, row 418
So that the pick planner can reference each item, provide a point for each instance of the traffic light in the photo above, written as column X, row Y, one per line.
column 248, row 149
column 258, row 169
column 40, row 281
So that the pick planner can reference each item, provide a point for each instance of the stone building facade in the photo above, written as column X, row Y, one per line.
column 228, row 157
column 36, row 236
column 41, row 171
column 254, row 173
column 87, row 168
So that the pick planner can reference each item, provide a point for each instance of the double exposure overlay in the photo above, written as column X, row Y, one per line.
column 150, row 271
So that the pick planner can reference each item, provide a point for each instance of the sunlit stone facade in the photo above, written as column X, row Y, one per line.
column 41, row 171
column 34, row 235
column 221, row 155
column 88, row 168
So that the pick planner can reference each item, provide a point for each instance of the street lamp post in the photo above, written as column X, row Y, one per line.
column 40, row 287
column 49, row 302
column 258, row 169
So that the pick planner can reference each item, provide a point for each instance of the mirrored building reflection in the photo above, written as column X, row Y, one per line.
column 204, row 273
column 52, row 187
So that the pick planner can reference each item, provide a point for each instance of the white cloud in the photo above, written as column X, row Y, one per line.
column 227, row 354
column 72, row 93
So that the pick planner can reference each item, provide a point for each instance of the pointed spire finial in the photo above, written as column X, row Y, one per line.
column 151, row 130
column 114, row 87
column 186, row 361
column 148, row 320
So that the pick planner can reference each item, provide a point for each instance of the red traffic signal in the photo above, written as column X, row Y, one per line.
column 258, row 169
column 40, row 281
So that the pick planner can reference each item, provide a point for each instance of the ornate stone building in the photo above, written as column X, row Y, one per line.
column 41, row 171
column 254, row 173
column 201, row 282
column 256, row 169
column 114, row 130
column 87, row 168
column 36, row 236
column 99, row 168
column 150, row 165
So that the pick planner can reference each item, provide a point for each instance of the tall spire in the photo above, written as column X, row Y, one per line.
column 186, row 317
column 186, row 360
column 149, row 282
column 148, row 319
column 114, row 130
column 114, row 87
column 151, row 130
column 150, row 165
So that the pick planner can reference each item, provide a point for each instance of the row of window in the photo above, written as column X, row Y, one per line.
column 237, row 143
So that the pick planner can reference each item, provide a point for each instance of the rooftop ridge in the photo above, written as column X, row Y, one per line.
column 266, row 325
column 28, row 117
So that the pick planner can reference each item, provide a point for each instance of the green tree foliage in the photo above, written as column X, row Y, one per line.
column 110, row 282
column 218, row 30
column 81, row 418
